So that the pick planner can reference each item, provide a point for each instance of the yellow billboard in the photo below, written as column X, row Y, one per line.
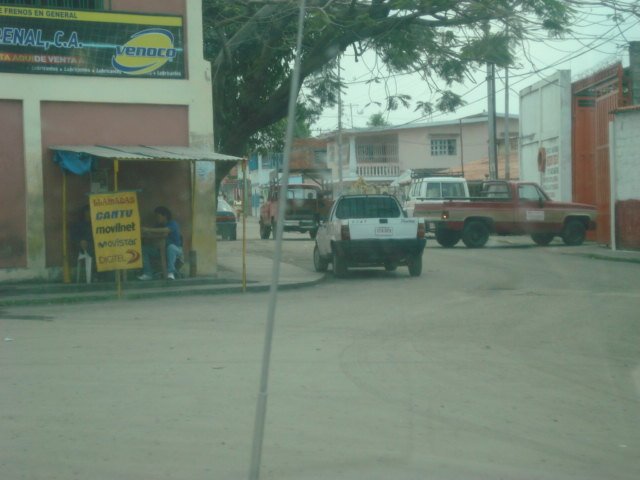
column 115, row 221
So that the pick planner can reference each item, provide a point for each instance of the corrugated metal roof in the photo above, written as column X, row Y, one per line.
column 147, row 153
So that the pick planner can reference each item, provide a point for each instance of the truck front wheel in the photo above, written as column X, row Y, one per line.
column 542, row 239
column 574, row 233
column 319, row 263
column 475, row 234
column 447, row 238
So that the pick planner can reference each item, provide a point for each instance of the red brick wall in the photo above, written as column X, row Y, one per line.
column 13, row 213
column 628, row 224
column 303, row 152
column 166, row 184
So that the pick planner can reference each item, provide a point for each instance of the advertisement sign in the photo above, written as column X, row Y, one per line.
column 115, row 221
column 75, row 42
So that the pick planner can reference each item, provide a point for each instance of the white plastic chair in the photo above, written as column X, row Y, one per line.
column 84, row 256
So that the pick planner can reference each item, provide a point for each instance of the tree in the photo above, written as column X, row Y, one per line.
column 251, row 46
column 271, row 138
column 377, row 120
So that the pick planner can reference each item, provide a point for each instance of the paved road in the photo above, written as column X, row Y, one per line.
column 501, row 363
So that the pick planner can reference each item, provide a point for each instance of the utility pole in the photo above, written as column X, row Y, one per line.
column 507, row 141
column 339, row 128
column 491, row 90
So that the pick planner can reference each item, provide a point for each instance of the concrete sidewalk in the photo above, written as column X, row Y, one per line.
column 228, row 280
column 588, row 250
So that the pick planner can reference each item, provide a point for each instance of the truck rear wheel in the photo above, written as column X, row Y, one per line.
column 542, row 239
column 339, row 265
column 415, row 265
column 574, row 233
column 447, row 238
column 475, row 234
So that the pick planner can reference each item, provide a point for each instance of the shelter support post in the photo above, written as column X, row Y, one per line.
column 244, row 224
column 116, row 169
column 66, row 274
column 193, row 268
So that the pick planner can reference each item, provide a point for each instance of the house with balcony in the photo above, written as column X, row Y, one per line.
column 379, row 155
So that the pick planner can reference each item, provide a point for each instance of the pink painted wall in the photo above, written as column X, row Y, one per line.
column 166, row 183
column 13, row 213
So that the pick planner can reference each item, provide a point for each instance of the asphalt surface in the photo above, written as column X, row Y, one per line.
column 500, row 363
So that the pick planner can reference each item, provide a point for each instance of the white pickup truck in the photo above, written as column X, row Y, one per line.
column 366, row 231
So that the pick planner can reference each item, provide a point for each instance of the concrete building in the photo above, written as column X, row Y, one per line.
column 379, row 155
column 99, row 76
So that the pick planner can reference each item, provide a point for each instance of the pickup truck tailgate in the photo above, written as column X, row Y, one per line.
column 382, row 228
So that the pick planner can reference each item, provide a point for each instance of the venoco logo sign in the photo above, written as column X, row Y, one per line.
column 146, row 51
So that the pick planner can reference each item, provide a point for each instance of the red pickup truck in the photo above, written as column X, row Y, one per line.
column 305, row 205
column 509, row 208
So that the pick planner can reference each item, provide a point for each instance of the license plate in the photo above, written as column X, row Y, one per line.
column 384, row 231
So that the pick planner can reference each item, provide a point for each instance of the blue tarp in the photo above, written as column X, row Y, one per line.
column 74, row 162
column 253, row 162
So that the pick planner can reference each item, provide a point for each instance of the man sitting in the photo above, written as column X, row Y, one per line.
column 166, row 228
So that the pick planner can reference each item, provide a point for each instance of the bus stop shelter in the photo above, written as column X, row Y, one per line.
column 80, row 160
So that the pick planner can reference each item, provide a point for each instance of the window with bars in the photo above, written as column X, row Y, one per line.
column 79, row 4
column 443, row 146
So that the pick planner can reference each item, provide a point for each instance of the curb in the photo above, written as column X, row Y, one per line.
column 139, row 295
column 597, row 256
column 593, row 256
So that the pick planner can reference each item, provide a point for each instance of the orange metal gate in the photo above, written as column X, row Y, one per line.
column 594, row 99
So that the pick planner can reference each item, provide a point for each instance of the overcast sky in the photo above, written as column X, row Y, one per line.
column 596, row 41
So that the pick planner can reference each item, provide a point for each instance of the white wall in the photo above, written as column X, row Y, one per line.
column 627, row 155
column 545, row 122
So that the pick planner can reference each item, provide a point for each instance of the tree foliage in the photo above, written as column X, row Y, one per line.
column 251, row 46
column 377, row 120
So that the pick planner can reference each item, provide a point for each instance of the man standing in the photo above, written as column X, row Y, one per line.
column 168, row 229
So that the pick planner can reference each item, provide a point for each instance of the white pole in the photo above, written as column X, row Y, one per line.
column 261, row 405
column 491, row 94
column 613, row 194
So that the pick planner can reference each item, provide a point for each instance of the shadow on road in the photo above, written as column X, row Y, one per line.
column 11, row 316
